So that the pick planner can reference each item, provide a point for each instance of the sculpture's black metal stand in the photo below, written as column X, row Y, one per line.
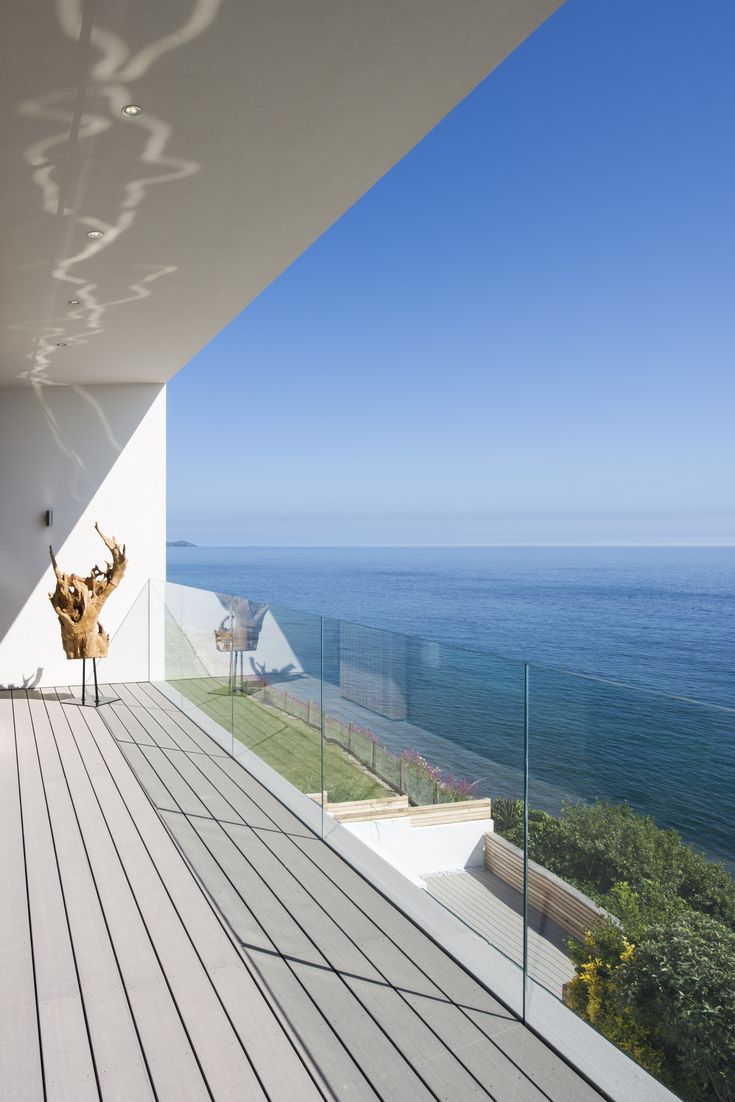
column 98, row 700
column 237, row 659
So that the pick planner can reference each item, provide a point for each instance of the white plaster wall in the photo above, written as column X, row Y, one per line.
column 94, row 453
column 419, row 851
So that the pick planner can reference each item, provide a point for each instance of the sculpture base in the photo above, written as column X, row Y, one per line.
column 85, row 700
column 90, row 702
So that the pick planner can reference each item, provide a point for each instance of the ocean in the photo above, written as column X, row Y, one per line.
column 652, row 629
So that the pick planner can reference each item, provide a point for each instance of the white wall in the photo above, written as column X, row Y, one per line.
column 94, row 453
column 422, row 850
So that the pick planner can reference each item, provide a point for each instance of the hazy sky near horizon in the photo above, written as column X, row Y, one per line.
column 522, row 334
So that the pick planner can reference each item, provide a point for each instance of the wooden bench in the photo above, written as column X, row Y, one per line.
column 461, row 811
column 394, row 807
column 566, row 905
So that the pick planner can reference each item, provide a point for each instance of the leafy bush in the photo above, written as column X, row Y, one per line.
column 601, row 845
column 596, row 993
column 659, row 979
column 668, row 1000
column 681, row 981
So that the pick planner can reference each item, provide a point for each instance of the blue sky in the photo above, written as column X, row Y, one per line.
column 522, row 334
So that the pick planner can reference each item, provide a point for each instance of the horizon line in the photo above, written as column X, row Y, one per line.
column 457, row 546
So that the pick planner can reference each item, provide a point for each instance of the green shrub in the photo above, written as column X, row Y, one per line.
column 601, row 845
column 596, row 994
column 680, row 980
column 659, row 980
column 707, row 886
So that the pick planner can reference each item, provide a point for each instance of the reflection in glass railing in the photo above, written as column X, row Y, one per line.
column 568, row 821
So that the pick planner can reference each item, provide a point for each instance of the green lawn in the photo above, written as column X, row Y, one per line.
column 285, row 743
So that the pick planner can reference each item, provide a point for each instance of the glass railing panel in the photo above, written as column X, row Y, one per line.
column 632, row 847
column 167, row 642
column 128, row 658
column 200, row 636
column 250, row 670
column 423, row 741
column 277, row 695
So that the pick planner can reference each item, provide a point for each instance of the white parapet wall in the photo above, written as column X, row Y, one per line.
column 89, row 453
column 418, row 851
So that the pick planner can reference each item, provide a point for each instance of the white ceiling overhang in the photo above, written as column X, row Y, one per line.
column 262, row 122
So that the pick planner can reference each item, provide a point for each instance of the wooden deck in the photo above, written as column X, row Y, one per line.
column 170, row 931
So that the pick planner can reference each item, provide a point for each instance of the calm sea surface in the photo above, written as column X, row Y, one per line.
column 661, row 620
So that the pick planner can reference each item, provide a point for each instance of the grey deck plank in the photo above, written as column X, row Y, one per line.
column 157, row 698
column 265, row 1032
column 173, row 1067
column 136, row 714
column 118, row 1055
column 182, row 793
column 303, row 929
column 451, row 1053
column 142, row 768
column 20, row 1053
column 182, row 729
column 290, row 988
column 173, row 719
column 220, row 1054
column 132, row 730
column 372, row 1046
column 206, row 792
column 69, row 1071
column 458, row 1033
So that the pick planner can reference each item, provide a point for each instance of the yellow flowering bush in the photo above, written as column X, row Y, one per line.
column 595, row 995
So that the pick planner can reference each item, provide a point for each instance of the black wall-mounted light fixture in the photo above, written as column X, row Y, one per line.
column 48, row 518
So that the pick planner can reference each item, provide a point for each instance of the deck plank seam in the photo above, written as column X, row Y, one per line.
column 28, row 903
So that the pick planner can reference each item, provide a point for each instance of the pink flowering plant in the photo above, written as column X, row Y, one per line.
column 455, row 789
column 414, row 760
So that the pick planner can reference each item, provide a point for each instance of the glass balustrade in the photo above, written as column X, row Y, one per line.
column 581, row 830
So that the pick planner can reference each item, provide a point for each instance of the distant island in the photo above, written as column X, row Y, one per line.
column 179, row 543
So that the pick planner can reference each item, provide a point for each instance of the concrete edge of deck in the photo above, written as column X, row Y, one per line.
column 587, row 1051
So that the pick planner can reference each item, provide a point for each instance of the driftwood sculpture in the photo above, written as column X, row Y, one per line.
column 78, row 602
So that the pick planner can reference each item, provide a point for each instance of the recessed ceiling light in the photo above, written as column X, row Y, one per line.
column 131, row 109
column 61, row 344
column 95, row 234
column 73, row 302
